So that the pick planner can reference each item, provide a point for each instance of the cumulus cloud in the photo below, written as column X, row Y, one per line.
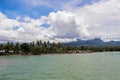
column 26, row 30
column 68, row 25
column 64, row 26
column 100, row 20
column 105, row 17
column 6, row 23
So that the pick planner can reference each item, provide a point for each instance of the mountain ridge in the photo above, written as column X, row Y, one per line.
column 92, row 42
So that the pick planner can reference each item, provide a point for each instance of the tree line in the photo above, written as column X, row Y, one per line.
column 35, row 48
column 40, row 47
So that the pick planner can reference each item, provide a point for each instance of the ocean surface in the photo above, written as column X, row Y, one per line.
column 93, row 66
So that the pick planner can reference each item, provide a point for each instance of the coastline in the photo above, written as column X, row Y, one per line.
column 29, row 54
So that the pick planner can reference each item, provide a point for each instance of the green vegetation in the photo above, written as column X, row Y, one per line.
column 39, row 47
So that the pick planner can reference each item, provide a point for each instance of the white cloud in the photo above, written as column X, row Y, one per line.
column 97, row 20
column 28, row 29
column 68, row 25
column 65, row 26
column 105, row 17
column 6, row 23
column 49, row 3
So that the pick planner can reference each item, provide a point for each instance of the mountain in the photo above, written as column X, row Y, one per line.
column 92, row 42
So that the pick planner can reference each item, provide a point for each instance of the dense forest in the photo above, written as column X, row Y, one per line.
column 39, row 47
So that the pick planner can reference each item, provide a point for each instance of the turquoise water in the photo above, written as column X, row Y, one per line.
column 95, row 66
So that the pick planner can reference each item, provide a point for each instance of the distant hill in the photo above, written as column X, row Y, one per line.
column 92, row 42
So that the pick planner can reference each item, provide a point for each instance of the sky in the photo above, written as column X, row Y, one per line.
column 59, row 20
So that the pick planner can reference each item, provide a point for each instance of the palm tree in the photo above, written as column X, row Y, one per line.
column 17, row 48
column 1, row 48
column 7, row 47
column 25, row 48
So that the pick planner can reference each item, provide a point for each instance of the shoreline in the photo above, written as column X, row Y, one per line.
column 55, row 53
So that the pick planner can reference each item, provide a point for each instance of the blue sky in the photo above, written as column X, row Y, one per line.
column 14, row 8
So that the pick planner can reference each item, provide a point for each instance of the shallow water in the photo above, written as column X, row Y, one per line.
column 95, row 66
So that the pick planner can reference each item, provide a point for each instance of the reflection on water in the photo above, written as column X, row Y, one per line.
column 99, row 66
